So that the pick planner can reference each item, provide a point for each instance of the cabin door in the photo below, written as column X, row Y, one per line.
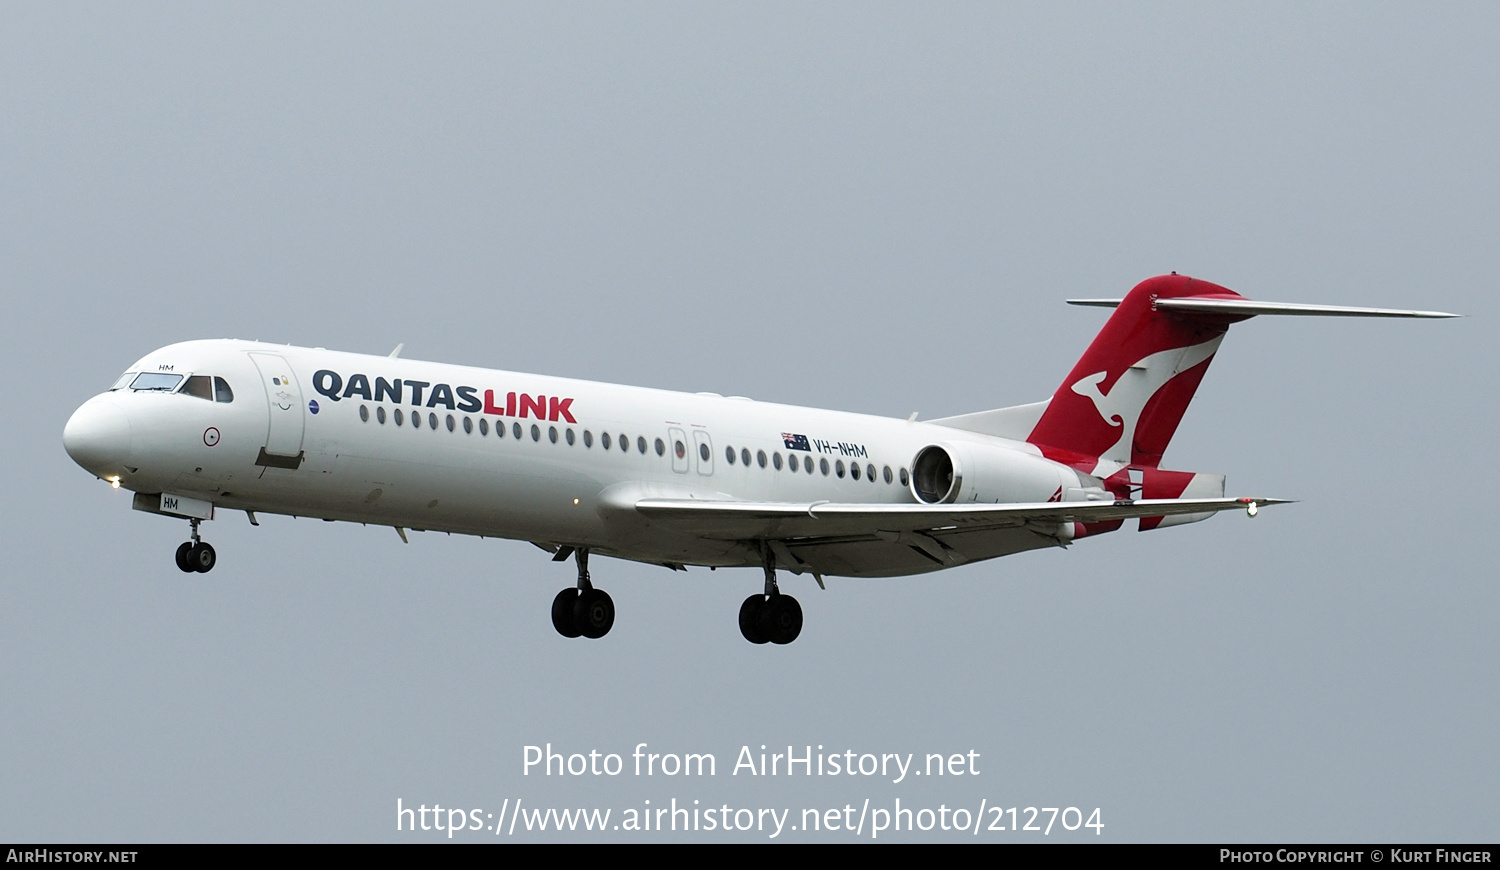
column 283, row 447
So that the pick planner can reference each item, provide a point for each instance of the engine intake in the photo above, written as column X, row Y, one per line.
column 935, row 479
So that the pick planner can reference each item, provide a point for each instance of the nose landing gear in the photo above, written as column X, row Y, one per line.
column 196, row 555
column 582, row 609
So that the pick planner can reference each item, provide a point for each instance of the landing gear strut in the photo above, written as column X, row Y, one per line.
column 770, row 616
column 583, row 610
column 196, row 555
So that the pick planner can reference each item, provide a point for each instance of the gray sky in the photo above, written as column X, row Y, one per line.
column 871, row 208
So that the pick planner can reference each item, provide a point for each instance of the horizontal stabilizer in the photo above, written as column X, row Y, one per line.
column 1250, row 308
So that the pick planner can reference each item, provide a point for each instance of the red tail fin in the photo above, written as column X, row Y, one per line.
column 1123, row 400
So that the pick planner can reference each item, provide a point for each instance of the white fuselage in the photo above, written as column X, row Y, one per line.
column 318, row 433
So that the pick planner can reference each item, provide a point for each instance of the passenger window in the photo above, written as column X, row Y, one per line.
column 870, row 471
column 680, row 449
column 604, row 440
column 760, row 457
column 536, row 432
column 625, row 443
column 222, row 391
column 905, row 481
column 838, row 468
column 484, row 426
column 661, row 447
column 199, row 386
column 364, row 414
column 887, row 474
column 745, row 455
column 570, row 437
column 515, row 431
column 469, row 426
column 416, row 419
column 640, row 444
column 775, row 460
column 729, row 455
column 854, row 470
column 552, row 434
column 398, row 416
column 588, row 438
column 380, row 415
column 450, row 422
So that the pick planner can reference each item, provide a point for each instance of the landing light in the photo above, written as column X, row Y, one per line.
column 114, row 483
column 575, row 501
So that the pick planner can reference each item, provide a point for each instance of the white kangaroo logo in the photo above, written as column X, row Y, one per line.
column 1121, row 407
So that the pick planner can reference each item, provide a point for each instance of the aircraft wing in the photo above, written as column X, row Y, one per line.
column 754, row 520
column 876, row 539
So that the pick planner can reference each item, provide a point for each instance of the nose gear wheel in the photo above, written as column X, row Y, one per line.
column 196, row 556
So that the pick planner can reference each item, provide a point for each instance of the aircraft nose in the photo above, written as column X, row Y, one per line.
column 98, row 437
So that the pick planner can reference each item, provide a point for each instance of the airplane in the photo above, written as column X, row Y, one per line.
column 675, row 479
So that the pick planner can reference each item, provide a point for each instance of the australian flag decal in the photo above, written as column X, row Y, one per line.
column 795, row 442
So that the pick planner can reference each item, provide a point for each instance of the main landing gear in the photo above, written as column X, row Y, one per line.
column 582, row 610
column 770, row 616
column 196, row 555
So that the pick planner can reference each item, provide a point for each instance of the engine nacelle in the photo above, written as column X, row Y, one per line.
column 963, row 473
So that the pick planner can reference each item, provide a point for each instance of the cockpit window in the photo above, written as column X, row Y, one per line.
column 210, row 387
column 124, row 379
column 200, row 386
column 155, row 381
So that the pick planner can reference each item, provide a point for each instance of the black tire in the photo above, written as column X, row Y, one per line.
column 594, row 613
column 182, row 557
column 781, row 619
column 562, row 612
column 202, row 557
column 750, row 613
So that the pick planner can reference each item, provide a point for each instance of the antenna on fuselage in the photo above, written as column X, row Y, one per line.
column 397, row 352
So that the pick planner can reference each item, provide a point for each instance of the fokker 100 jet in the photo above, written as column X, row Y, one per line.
column 673, row 479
